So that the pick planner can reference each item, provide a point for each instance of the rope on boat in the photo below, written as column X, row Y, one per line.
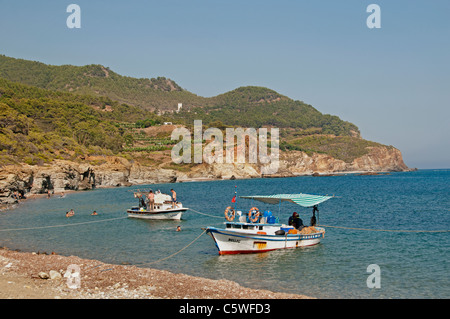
column 354, row 228
column 176, row 253
column 65, row 225
column 221, row 217
column 390, row 230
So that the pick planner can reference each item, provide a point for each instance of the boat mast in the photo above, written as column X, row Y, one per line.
column 235, row 198
column 279, row 210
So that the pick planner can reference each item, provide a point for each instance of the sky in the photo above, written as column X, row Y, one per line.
column 393, row 82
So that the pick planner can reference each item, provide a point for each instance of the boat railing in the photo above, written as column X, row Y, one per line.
column 265, row 217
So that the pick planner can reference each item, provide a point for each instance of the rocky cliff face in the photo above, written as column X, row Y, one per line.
column 64, row 175
column 379, row 159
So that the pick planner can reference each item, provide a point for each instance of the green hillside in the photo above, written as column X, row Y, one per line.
column 38, row 125
column 257, row 107
column 156, row 93
column 249, row 106
column 49, row 112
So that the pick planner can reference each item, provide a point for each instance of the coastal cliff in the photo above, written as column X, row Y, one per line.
column 63, row 175
column 90, row 127
column 378, row 159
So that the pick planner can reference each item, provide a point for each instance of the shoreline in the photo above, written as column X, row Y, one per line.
column 19, row 277
column 22, row 273
column 31, row 196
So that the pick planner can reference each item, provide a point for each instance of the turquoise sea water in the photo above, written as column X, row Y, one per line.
column 413, row 265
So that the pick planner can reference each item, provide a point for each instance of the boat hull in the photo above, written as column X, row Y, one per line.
column 170, row 214
column 232, row 242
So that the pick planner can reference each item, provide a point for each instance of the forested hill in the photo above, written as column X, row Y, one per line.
column 248, row 106
column 71, row 113
column 155, row 93
column 253, row 106
column 38, row 125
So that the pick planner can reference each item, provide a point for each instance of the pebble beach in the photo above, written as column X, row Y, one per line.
column 32, row 275
column 23, row 275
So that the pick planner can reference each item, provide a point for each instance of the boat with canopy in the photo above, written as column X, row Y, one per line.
column 258, row 232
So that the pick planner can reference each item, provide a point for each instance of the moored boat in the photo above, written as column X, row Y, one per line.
column 163, row 207
column 258, row 232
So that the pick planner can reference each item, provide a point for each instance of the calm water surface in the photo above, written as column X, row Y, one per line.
column 413, row 265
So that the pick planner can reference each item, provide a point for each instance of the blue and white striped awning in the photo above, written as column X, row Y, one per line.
column 304, row 200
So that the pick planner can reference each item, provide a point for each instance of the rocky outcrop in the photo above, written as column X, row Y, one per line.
column 60, row 175
column 294, row 163
column 221, row 171
column 378, row 159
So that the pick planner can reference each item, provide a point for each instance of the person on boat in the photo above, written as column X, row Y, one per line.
column 174, row 198
column 295, row 221
column 142, row 202
column 151, row 200
column 313, row 218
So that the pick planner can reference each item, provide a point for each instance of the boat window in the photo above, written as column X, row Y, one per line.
column 260, row 227
column 248, row 226
column 236, row 226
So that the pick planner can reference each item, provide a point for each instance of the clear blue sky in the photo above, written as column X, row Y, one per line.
column 393, row 82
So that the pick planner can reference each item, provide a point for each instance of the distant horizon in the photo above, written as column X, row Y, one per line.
column 391, row 82
column 434, row 168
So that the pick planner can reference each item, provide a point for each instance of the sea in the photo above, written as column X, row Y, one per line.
column 387, row 236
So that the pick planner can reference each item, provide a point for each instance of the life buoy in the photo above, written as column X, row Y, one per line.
column 253, row 214
column 229, row 213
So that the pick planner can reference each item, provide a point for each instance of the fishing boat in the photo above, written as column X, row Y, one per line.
column 163, row 207
column 258, row 232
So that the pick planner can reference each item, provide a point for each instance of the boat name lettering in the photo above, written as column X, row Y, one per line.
column 234, row 240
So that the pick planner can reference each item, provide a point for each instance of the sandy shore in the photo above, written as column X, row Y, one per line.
column 20, row 278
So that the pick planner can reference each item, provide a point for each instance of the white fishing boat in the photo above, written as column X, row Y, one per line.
column 258, row 232
column 163, row 207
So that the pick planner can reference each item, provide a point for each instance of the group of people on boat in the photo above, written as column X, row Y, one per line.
column 297, row 222
column 150, row 202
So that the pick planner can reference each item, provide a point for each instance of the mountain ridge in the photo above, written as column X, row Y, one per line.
column 54, row 138
column 257, row 106
column 38, row 120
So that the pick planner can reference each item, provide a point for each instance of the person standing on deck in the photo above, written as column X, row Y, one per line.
column 313, row 218
column 151, row 200
column 174, row 198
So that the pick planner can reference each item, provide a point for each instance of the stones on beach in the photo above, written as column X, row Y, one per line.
column 55, row 275
column 43, row 275
column 52, row 275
